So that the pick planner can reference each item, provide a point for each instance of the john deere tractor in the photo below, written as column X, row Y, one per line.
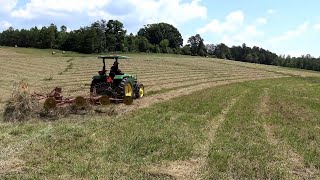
column 116, row 86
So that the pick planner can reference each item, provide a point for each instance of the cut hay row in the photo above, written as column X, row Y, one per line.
column 84, row 78
column 45, row 63
column 183, row 83
column 35, row 61
column 146, row 79
column 156, row 73
column 178, row 79
column 188, row 83
column 79, row 82
column 140, row 76
column 72, row 91
column 270, row 68
column 24, row 72
column 33, row 70
column 131, row 71
column 41, row 65
column 126, row 68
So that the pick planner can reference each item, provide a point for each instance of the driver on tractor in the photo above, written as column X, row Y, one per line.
column 115, row 69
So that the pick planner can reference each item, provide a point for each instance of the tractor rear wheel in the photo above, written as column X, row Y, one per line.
column 139, row 91
column 103, row 88
column 94, row 84
column 124, row 89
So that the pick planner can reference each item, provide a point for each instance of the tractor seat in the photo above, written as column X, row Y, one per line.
column 111, row 76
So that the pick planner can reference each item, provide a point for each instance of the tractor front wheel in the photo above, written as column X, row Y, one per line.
column 139, row 91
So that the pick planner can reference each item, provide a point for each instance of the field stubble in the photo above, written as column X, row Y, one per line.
column 265, row 129
column 158, row 75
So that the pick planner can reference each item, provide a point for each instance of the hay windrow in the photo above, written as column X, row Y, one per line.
column 21, row 106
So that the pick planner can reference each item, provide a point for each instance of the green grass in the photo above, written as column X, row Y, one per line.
column 241, row 148
column 297, row 117
column 125, row 146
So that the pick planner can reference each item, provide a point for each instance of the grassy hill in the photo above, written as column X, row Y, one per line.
column 202, row 118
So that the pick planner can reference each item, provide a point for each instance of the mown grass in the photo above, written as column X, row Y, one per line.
column 125, row 146
column 44, row 52
column 296, row 116
column 241, row 149
column 58, row 53
column 107, row 146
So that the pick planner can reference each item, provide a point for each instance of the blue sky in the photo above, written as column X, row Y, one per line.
column 284, row 27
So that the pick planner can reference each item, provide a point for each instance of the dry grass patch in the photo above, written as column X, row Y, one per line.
column 21, row 106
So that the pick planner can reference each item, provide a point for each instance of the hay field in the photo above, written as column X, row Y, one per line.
column 201, row 118
column 159, row 74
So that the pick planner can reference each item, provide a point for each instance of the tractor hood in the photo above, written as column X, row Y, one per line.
column 123, row 76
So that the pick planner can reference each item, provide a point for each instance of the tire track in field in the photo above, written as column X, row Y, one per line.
column 292, row 162
column 194, row 168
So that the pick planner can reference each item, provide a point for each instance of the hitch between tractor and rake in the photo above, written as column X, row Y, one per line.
column 56, row 99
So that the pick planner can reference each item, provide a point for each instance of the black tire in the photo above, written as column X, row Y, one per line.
column 104, row 88
column 120, row 90
column 94, row 84
column 137, row 90
column 101, row 88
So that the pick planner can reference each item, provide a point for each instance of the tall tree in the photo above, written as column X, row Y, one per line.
column 210, row 49
column 115, row 34
column 155, row 33
column 197, row 46
column 222, row 51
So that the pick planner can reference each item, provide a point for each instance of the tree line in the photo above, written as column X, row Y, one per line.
column 110, row 36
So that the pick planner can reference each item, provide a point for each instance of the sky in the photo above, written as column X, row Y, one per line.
column 286, row 27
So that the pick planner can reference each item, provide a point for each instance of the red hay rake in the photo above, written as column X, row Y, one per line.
column 56, row 99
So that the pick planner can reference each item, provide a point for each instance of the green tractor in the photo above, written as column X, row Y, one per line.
column 117, row 86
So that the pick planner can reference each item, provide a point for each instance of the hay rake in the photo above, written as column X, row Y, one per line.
column 55, row 99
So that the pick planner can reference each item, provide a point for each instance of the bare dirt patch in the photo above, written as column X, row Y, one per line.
column 177, row 169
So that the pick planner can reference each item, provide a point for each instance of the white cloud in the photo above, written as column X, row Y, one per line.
column 262, row 20
column 317, row 27
column 249, row 35
column 142, row 11
column 171, row 11
column 284, row 42
column 7, row 5
column 4, row 25
column 104, row 14
column 234, row 31
column 36, row 8
column 271, row 11
column 291, row 34
column 232, row 22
